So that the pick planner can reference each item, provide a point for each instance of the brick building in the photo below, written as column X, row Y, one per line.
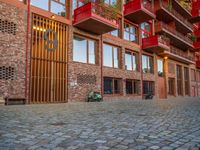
column 58, row 51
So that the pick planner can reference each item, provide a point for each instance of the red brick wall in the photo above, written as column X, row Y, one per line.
column 12, row 50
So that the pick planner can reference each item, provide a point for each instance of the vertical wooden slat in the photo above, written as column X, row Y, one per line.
column 48, row 68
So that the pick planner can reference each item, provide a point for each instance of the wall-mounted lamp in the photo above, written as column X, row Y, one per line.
column 165, row 57
column 53, row 17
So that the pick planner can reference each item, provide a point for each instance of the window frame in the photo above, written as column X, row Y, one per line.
column 148, row 33
column 171, row 91
column 150, row 84
column 87, row 50
column 136, row 34
column 137, row 60
column 193, row 75
column 113, row 86
column 133, row 81
column 186, row 81
column 161, row 60
column 50, row 6
column 113, row 60
column 151, row 69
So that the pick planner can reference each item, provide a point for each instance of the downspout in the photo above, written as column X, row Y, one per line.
column 27, row 47
column 140, row 60
column 101, row 55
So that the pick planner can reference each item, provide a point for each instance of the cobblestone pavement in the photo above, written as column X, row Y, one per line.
column 117, row 125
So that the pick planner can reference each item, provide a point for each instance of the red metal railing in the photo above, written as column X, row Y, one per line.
column 181, row 53
column 161, row 25
column 99, row 11
column 177, row 15
column 197, row 33
column 198, row 63
column 155, row 40
column 196, row 44
column 137, row 4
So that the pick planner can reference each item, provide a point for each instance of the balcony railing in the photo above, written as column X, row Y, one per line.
column 139, row 11
column 155, row 41
column 161, row 26
column 135, row 4
column 99, row 15
column 186, row 7
column 181, row 53
column 196, row 45
column 198, row 63
column 177, row 15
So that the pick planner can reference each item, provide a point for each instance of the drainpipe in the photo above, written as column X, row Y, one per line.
column 27, row 47
column 101, row 55
column 140, row 60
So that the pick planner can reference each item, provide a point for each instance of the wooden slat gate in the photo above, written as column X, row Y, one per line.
column 48, row 61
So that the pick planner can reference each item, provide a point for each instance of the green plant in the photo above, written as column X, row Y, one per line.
column 170, row 5
column 193, row 38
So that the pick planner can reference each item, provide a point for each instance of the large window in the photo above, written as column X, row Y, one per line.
column 193, row 76
column 111, row 56
column 112, row 85
column 130, row 33
column 131, row 61
column 55, row 6
column 132, row 86
column 111, row 2
column 146, row 29
column 148, row 87
column 171, row 89
column 147, row 64
column 186, row 78
column 179, row 79
column 160, row 67
column 115, row 32
column 84, row 50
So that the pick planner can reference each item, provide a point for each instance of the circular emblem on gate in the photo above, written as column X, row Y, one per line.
column 51, row 44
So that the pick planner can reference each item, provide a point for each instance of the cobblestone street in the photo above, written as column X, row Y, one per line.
column 117, row 125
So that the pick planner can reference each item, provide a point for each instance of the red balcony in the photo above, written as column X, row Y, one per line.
column 198, row 63
column 156, row 43
column 195, row 12
column 95, row 18
column 139, row 11
column 195, row 16
column 163, row 13
column 197, row 33
column 176, row 38
column 196, row 45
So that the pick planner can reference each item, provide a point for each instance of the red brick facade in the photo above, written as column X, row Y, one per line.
column 84, row 77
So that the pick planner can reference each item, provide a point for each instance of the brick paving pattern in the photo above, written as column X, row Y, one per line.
column 117, row 125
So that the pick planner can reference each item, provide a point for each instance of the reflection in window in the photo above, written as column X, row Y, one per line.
column 84, row 50
column 148, row 87
column 112, row 86
column 146, row 29
column 110, row 2
column 44, row 5
column 147, row 64
column 56, row 6
column 131, row 61
column 160, row 67
column 111, row 56
column 132, row 86
column 115, row 33
column 130, row 33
